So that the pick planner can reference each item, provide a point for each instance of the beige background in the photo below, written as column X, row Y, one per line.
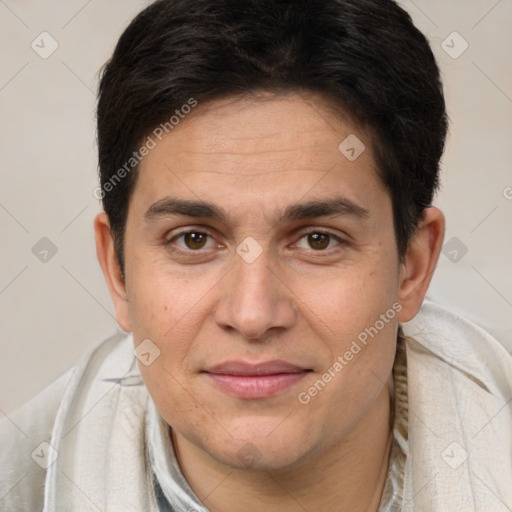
column 52, row 312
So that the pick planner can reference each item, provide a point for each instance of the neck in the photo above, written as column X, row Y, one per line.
column 349, row 476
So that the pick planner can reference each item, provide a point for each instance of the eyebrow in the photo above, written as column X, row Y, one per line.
column 201, row 209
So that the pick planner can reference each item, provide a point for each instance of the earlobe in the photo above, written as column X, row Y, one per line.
column 111, row 270
column 420, row 262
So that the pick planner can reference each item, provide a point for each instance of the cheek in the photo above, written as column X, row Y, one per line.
column 361, row 356
column 160, row 300
column 170, row 322
column 355, row 316
column 170, row 311
column 349, row 300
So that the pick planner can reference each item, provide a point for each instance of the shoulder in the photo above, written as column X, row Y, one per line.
column 446, row 338
column 459, row 382
column 25, row 437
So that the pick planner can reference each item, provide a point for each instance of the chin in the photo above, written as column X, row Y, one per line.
column 254, row 456
column 261, row 444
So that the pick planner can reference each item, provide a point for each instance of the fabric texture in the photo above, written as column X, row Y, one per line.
column 105, row 447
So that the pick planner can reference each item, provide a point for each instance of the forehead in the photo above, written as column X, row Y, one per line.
column 265, row 151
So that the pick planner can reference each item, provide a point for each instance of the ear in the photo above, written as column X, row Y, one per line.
column 420, row 262
column 111, row 270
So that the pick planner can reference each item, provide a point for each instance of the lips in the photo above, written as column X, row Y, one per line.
column 253, row 381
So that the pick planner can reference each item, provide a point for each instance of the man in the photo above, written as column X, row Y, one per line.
column 267, row 175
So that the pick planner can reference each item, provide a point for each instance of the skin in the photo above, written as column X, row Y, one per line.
column 300, row 301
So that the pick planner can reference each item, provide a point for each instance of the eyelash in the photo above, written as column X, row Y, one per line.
column 203, row 231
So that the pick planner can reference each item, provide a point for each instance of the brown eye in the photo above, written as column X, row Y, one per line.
column 190, row 241
column 318, row 241
column 195, row 240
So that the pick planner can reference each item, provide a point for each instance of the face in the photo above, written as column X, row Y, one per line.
column 257, row 257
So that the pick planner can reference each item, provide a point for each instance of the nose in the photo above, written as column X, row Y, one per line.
column 255, row 300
